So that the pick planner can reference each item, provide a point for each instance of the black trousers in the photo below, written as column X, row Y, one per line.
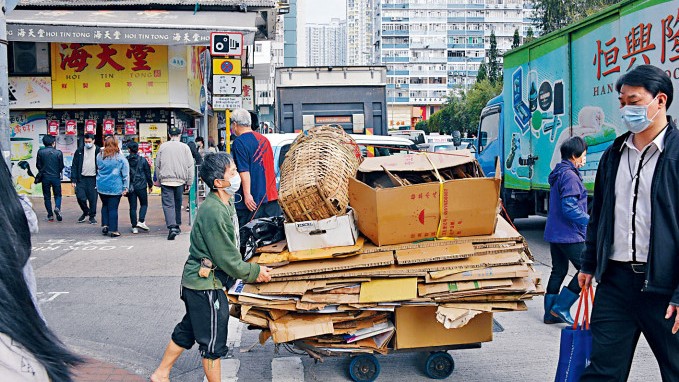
column 206, row 322
column 561, row 255
column 621, row 313
column 51, row 185
column 172, row 205
column 86, row 191
column 266, row 210
column 142, row 196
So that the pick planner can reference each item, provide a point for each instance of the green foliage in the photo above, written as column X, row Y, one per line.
column 424, row 126
column 462, row 112
column 530, row 36
column 494, row 74
column 482, row 73
column 516, row 40
column 551, row 15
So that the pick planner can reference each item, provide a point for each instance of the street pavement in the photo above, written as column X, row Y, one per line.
column 116, row 301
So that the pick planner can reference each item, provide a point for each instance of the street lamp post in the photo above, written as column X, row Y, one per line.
column 4, row 91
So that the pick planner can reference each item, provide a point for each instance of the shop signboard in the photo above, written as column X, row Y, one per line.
column 248, row 93
column 71, row 127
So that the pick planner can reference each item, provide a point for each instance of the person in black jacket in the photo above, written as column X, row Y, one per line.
column 632, row 244
column 140, row 180
column 84, row 178
column 50, row 164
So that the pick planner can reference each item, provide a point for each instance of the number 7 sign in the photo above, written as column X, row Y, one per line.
column 227, row 85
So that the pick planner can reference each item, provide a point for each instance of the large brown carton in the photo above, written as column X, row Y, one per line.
column 402, row 214
column 417, row 327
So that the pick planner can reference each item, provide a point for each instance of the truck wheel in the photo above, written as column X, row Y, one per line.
column 440, row 365
column 364, row 368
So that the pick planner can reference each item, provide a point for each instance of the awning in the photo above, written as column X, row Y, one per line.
column 156, row 27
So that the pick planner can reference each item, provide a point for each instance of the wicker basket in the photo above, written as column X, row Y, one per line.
column 315, row 174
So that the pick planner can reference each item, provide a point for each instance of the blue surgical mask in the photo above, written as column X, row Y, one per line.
column 635, row 117
column 89, row 145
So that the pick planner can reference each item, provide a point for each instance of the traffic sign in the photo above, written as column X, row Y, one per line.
column 226, row 44
column 225, row 102
column 226, row 85
column 230, row 66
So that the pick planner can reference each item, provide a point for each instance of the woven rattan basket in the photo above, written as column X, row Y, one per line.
column 315, row 174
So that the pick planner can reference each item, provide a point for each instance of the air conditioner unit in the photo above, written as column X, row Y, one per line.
column 31, row 58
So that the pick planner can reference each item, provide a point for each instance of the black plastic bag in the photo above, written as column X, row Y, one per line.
column 259, row 233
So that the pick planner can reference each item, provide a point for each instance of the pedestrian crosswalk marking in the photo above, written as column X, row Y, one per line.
column 235, row 333
column 287, row 369
column 230, row 369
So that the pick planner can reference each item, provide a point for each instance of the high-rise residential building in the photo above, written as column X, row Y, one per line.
column 435, row 47
column 327, row 43
column 360, row 32
column 295, row 34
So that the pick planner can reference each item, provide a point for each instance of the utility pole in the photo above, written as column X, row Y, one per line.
column 4, row 91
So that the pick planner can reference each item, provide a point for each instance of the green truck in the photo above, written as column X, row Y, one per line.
column 563, row 85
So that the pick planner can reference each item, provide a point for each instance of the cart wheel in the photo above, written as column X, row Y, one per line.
column 364, row 368
column 439, row 365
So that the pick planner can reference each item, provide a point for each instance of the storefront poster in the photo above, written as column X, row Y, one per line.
column 53, row 128
column 25, row 130
column 147, row 131
column 108, row 74
column 67, row 144
column 30, row 92
column 130, row 127
column 90, row 126
column 109, row 126
column 71, row 127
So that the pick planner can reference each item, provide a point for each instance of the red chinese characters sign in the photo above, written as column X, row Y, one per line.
column 71, row 127
column 130, row 127
column 53, row 128
column 109, row 126
column 90, row 126
column 108, row 74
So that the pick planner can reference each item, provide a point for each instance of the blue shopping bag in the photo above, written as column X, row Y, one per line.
column 576, row 344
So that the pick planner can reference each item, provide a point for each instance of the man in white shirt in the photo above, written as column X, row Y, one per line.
column 632, row 245
column 175, row 169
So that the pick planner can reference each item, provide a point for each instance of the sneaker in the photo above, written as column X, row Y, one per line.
column 135, row 230
column 143, row 226
column 82, row 218
column 115, row 234
column 57, row 212
column 172, row 234
column 93, row 221
column 104, row 230
column 50, row 218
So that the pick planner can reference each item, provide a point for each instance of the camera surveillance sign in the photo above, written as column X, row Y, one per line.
column 226, row 44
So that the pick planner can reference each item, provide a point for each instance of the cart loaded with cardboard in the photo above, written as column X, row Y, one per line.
column 385, row 254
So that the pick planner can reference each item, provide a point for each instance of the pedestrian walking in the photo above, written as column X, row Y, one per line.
column 254, row 159
column 175, row 169
column 222, row 144
column 565, row 230
column 50, row 164
column 84, row 178
column 113, row 182
column 29, row 350
column 195, row 153
column 214, row 262
column 140, row 181
column 632, row 241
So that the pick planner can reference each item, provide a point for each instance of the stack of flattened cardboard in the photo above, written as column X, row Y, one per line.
column 366, row 298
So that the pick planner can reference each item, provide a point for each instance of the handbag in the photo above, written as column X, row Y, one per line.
column 576, row 343
column 38, row 178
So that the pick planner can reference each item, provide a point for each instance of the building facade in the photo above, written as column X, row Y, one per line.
column 435, row 47
column 295, row 35
column 360, row 32
column 327, row 43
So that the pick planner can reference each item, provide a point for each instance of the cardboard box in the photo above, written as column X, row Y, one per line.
column 405, row 214
column 337, row 231
column 417, row 327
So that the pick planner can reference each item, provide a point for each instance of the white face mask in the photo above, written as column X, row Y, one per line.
column 583, row 163
column 635, row 117
column 89, row 145
column 234, row 182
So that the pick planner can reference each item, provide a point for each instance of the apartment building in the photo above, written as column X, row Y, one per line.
column 327, row 43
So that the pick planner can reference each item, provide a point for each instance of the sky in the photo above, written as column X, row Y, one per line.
column 321, row 11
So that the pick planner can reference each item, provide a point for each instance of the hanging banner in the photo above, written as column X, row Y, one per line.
column 130, row 127
column 53, row 128
column 90, row 126
column 109, row 126
column 71, row 127
column 248, row 93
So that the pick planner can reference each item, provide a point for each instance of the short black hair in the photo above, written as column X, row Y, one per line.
column 48, row 140
column 88, row 136
column 254, row 121
column 133, row 147
column 213, row 167
column 651, row 78
column 573, row 147
column 200, row 139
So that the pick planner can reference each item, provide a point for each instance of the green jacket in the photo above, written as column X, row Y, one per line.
column 214, row 236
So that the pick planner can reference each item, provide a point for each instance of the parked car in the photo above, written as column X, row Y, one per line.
column 370, row 145
column 417, row 136
column 446, row 146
